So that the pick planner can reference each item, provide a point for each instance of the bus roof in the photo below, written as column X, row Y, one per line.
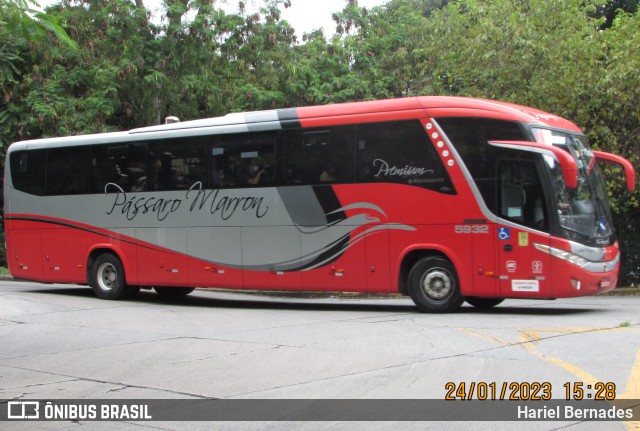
column 442, row 106
column 433, row 106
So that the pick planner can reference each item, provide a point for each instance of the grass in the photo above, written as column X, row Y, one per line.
column 623, row 291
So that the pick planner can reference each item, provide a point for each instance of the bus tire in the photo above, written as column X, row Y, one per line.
column 167, row 291
column 433, row 285
column 107, row 278
column 483, row 303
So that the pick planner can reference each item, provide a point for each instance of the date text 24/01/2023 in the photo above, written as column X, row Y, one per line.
column 525, row 391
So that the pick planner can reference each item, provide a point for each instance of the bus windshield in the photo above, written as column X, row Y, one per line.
column 583, row 213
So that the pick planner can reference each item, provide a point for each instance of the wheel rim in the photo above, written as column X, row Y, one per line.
column 437, row 284
column 107, row 276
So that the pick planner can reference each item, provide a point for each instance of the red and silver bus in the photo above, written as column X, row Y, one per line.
column 444, row 199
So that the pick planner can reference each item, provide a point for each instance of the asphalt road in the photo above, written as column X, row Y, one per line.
column 61, row 342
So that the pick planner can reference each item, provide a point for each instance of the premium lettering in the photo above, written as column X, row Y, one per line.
column 384, row 170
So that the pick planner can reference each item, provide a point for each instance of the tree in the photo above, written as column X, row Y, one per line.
column 610, row 9
column 20, row 27
column 129, row 72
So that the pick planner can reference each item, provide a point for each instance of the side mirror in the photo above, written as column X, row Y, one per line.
column 567, row 163
column 629, row 172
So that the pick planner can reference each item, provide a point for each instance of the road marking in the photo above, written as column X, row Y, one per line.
column 529, row 338
column 485, row 337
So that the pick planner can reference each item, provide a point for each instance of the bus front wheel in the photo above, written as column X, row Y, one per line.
column 107, row 278
column 433, row 285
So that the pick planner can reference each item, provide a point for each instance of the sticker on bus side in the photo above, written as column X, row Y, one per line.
column 523, row 239
column 504, row 233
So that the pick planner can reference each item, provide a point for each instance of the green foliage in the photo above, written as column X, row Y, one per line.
column 29, row 25
column 610, row 9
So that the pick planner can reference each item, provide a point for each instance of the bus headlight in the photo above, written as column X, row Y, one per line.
column 564, row 255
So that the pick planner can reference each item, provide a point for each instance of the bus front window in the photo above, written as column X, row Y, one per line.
column 583, row 213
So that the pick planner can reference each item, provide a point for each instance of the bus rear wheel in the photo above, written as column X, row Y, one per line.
column 107, row 278
column 433, row 285
column 173, row 291
column 483, row 303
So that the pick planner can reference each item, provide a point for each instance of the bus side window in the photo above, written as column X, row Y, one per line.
column 68, row 171
column 400, row 152
column 177, row 164
column 520, row 194
column 118, row 166
column 470, row 136
column 295, row 168
column 246, row 160
column 320, row 156
column 318, row 145
column 104, row 167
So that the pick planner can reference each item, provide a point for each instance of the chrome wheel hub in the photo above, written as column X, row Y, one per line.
column 437, row 284
column 107, row 276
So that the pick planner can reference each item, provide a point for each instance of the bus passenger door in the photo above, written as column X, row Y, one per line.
column 523, row 270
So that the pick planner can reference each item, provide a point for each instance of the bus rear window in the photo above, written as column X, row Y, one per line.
column 28, row 171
